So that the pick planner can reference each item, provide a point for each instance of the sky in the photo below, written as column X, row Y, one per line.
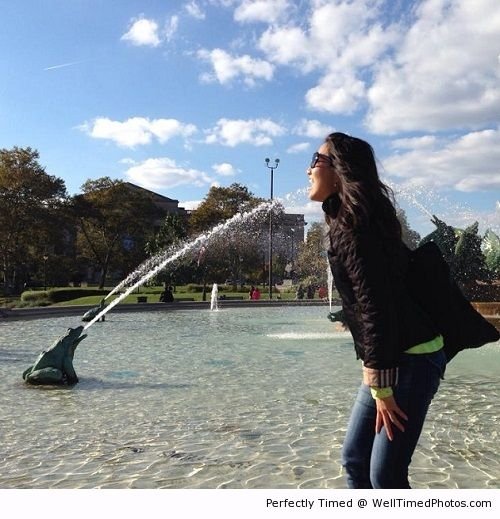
column 179, row 96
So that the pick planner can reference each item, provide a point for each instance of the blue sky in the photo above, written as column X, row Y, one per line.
column 177, row 96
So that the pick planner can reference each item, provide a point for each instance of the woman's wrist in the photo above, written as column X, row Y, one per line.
column 381, row 392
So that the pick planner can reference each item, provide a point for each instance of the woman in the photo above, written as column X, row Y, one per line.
column 402, row 354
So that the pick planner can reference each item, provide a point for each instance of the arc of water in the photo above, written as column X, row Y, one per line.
column 330, row 284
column 162, row 261
column 144, row 267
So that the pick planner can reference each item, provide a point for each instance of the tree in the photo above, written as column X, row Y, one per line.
column 410, row 237
column 30, row 216
column 462, row 251
column 114, row 223
column 491, row 249
column 469, row 264
column 312, row 262
column 172, row 231
column 231, row 254
column 220, row 204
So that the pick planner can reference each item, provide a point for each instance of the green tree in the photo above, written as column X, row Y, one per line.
column 410, row 237
column 172, row 231
column 220, row 204
column 114, row 224
column 312, row 262
column 491, row 249
column 469, row 264
column 31, row 224
column 234, row 254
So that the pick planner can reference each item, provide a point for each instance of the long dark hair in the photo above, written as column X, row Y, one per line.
column 364, row 198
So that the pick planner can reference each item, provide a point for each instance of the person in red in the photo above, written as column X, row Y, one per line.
column 256, row 294
column 322, row 292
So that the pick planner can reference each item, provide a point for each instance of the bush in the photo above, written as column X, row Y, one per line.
column 34, row 297
column 67, row 294
column 59, row 295
column 33, row 303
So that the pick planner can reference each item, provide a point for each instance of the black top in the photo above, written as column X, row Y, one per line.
column 369, row 274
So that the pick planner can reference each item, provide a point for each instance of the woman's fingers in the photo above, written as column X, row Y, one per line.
column 388, row 427
column 389, row 419
column 378, row 422
column 394, row 419
column 389, row 415
column 400, row 412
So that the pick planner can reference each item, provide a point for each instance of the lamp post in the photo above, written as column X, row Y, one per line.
column 272, row 168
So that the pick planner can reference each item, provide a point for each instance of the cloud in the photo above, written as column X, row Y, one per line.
column 340, row 39
column 190, row 205
column 143, row 32
column 299, row 147
column 313, row 129
column 414, row 142
column 127, row 161
column 338, row 36
column 224, row 169
column 433, row 68
column 137, row 130
column 164, row 173
column 227, row 68
column 337, row 93
column 171, row 27
column 267, row 11
column 232, row 132
column 466, row 163
column 194, row 10
column 444, row 74
column 311, row 210
column 288, row 46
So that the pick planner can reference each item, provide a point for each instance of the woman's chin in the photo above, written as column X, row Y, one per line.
column 313, row 196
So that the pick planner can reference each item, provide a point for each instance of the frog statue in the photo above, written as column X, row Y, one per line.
column 54, row 366
column 90, row 314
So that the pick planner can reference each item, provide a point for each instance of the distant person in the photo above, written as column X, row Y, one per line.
column 256, row 294
column 310, row 292
column 322, row 292
column 401, row 350
column 167, row 296
column 299, row 294
column 250, row 294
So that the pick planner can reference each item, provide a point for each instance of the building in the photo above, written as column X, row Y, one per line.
column 167, row 205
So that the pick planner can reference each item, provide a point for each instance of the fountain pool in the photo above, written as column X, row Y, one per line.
column 239, row 398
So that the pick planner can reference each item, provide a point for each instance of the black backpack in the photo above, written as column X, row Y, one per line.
column 433, row 289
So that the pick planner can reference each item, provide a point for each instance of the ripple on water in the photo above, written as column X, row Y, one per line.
column 243, row 399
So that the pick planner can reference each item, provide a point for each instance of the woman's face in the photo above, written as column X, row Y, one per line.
column 322, row 177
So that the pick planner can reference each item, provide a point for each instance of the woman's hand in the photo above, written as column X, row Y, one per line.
column 388, row 415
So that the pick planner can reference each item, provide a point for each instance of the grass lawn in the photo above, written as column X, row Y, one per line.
column 153, row 293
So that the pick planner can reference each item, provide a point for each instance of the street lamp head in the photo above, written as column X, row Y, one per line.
column 276, row 162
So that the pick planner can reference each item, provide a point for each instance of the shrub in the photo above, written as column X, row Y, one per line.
column 67, row 294
column 60, row 295
column 33, row 297
column 33, row 303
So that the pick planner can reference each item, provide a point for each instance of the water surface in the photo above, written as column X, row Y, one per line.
column 235, row 398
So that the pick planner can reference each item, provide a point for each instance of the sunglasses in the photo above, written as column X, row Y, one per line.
column 317, row 157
